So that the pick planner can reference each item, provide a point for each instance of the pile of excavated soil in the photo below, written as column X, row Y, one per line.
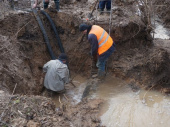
column 37, row 111
column 163, row 11
column 8, row 6
column 4, row 5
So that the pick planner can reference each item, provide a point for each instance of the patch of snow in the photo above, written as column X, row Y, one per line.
column 160, row 32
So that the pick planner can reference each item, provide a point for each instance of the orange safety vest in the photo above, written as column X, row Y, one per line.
column 103, row 38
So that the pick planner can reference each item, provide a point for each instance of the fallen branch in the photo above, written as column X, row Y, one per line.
column 66, row 97
column 147, row 92
column 22, row 28
column 7, row 106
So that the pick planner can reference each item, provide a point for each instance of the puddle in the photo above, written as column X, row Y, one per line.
column 123, row 107
column 55, row 99
column 75, row 94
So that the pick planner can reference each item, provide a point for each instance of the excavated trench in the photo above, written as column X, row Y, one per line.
column 136, row 58
column 138, row 64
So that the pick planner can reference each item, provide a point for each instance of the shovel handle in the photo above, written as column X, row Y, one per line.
column 94, row 7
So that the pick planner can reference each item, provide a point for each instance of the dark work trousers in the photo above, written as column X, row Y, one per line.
column 57, row 4
column 101, row 62
column 106, row 3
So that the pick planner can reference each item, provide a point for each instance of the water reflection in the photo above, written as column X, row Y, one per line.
column 125, row 108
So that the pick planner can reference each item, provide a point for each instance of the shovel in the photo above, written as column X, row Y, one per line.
column 90, row 15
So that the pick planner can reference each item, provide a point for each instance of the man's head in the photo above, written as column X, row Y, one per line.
column 63, row 57
column 83, row 28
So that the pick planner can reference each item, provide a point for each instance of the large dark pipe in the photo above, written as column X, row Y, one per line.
column 44, row 34
column 55, row 31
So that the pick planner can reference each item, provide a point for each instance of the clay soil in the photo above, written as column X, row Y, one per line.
column 138, row 59
column 38, row 111
column 163, row 11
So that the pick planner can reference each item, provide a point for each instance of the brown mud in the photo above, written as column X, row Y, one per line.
column 163, row 11
column 138, row 59
column 38, row 111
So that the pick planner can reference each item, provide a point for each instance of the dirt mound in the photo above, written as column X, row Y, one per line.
column 8, row 6
column 41, row 112
column 4, row 5
column 153, row 63
column 163, row 11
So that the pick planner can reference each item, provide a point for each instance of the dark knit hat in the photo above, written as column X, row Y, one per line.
column 62, row 56
column 83, row 27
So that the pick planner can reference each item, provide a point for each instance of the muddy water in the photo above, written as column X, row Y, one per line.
column 76, row 93
column 125, row 108
column 73, row 94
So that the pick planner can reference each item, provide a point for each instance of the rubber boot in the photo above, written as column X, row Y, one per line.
column 109, row 10
column 94, row 68
column 94, row 72
column 101, row 74
column 15, row 4
column 46, row 5
column 57, row 4
column 11, row 2
column 101, row 11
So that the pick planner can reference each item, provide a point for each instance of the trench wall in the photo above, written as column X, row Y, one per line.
column 24, row 52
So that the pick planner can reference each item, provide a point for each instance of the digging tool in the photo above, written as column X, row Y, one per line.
column 71, row 81
column 91, row 14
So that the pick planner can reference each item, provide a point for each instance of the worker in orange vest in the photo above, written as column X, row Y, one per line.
column 102, row 46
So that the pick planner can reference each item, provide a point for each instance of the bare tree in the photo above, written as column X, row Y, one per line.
column 148, row 12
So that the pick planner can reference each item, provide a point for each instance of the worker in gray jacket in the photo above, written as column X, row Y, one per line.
column 57, row 73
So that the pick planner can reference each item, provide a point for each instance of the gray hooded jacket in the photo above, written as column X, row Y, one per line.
column 57, row 75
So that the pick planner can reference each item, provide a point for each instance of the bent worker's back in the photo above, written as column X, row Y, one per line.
column 57, row 75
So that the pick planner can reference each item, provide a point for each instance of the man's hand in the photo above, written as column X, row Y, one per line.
column 34, row 6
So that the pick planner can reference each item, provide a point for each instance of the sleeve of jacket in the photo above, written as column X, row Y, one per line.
column 94, row 44
column 45, row 67
column 66, row 77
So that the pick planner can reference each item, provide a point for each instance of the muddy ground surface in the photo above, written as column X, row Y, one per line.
column 163, row 11
column 137, row 59
column 38, row 111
